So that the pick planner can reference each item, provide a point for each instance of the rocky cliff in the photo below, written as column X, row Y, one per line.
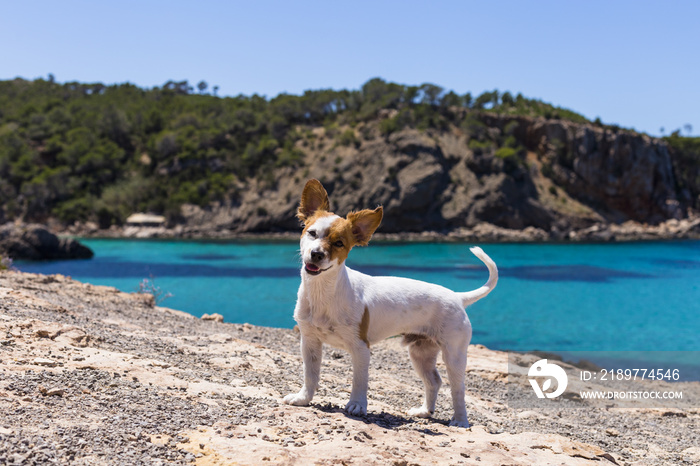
column 490, row 173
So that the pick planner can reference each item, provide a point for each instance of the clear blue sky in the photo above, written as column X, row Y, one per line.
column 633, row 63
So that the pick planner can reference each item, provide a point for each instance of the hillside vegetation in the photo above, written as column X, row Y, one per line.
column 89, row 152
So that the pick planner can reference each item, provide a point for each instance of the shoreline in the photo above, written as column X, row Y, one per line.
column 670, row 230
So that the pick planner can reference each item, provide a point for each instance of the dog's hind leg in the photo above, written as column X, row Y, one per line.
column 423, row 352
column 455, row 357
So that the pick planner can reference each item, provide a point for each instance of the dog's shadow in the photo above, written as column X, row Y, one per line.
column 384, row 420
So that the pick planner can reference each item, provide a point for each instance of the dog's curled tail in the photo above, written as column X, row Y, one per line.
column 471, row 297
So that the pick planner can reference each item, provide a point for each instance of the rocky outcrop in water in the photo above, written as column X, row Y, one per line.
column 35, row 242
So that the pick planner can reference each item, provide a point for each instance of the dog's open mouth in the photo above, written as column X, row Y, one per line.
column 313, row 269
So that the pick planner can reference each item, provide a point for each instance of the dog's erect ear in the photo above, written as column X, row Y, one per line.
column 364, row 223
column 313, row 198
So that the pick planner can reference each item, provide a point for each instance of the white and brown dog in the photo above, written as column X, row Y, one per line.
column 351, row 310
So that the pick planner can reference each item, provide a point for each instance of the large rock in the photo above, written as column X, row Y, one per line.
column 35, row 242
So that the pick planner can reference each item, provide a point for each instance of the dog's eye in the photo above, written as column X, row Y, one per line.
column 338, row 244
column 312, row 233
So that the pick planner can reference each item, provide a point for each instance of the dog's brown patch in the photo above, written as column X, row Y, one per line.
column 339, row 240
column 364, row 223
column 414, row 339
column 364, row 327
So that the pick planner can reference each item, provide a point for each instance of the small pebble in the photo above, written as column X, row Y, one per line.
column 44, row 362
column 56, row 392
column 492, row 428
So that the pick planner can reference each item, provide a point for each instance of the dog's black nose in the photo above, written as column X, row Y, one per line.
column 317, row 256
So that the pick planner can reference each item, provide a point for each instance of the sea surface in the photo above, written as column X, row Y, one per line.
column 558, row 298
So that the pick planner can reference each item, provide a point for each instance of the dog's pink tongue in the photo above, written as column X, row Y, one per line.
column 312, row 268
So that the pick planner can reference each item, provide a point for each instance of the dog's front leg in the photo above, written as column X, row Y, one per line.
column 311, row 353
column 357, row 406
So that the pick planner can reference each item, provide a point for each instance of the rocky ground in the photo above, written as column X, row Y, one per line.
column 91, row 375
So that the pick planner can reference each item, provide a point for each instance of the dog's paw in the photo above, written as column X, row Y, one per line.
column 356, row 408
column 297, row 399
column 460, row 423
column 420, row 412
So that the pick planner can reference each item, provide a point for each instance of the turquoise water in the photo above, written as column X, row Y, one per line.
column 565, row 297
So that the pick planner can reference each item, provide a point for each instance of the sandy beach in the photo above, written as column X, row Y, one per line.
column 92, row 375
